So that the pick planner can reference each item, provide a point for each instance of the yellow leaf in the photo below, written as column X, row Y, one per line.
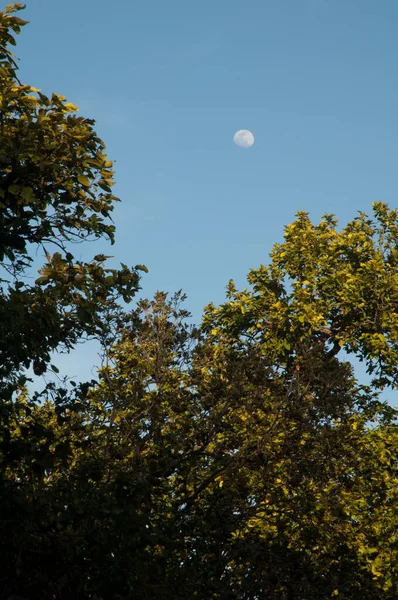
column 71, row 107
column 84, row 180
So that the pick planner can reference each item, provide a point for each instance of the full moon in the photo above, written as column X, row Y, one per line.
column 244, row 138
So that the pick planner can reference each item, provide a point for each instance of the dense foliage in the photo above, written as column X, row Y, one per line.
column 239, row 459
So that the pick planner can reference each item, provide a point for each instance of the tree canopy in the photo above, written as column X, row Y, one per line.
column 241, row 458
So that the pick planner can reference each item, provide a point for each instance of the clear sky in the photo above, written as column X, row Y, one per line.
column 170, row 82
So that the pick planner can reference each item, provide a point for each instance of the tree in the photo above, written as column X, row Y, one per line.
column 275, row 349
column 245, row 460
column 55, row 189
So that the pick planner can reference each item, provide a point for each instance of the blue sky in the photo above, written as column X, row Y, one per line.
column 169, row 84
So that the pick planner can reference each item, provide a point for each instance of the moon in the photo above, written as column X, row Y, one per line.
column 244, row 138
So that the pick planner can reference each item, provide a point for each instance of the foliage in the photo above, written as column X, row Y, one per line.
column 241, row 459
column 266, row 469
column 55, row 188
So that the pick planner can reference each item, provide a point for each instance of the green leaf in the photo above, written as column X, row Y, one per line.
column 142, row 268
column 41, row 280
column 14, row 189
column 28, row 194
